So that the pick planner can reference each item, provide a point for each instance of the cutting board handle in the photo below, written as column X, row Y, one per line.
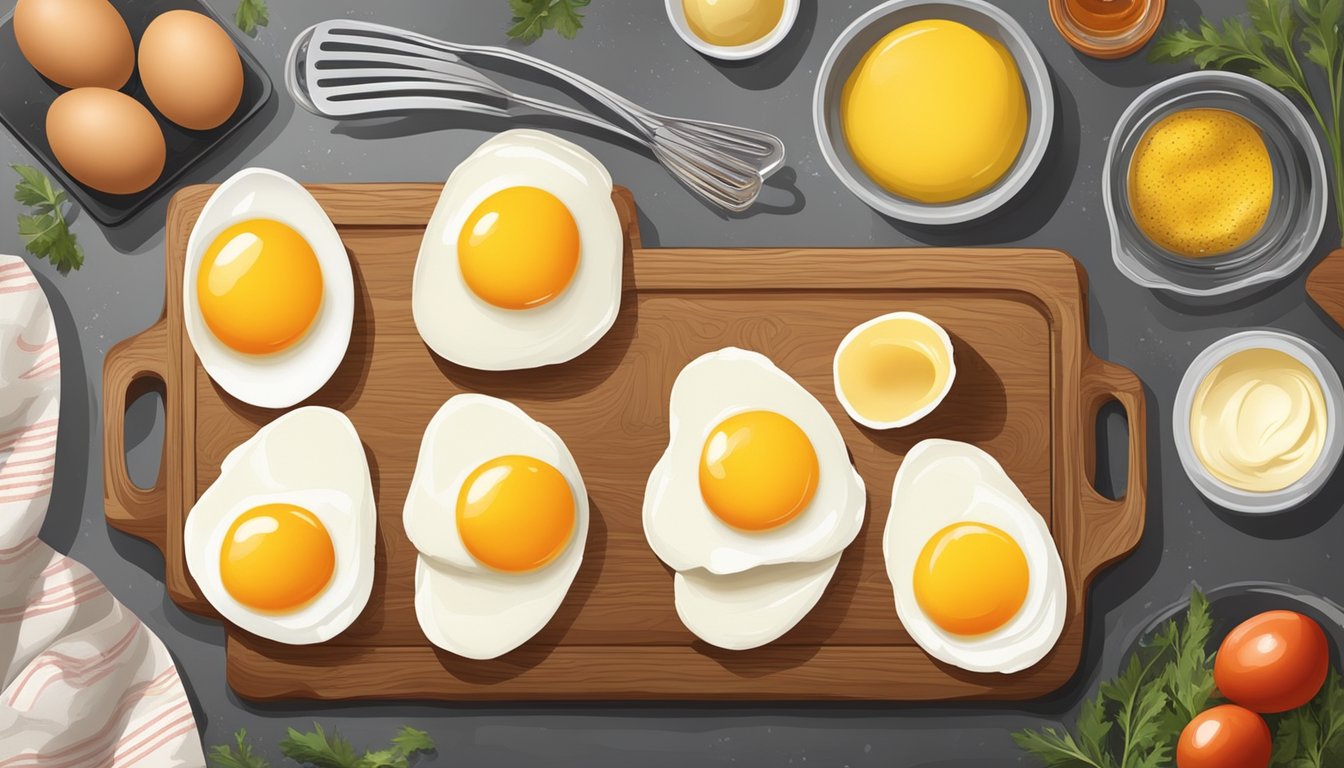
column 133, row 367
column 1113, row 526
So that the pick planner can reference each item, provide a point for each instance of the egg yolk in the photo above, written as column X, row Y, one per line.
column 519, row 248
column 276, row 558
column 971, row 578
column 758, row 470
column 515, row 513
column 935, row 111
column 259, row 286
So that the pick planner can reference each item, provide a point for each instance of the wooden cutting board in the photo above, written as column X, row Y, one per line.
column 1027, row 390
column 1325, row 285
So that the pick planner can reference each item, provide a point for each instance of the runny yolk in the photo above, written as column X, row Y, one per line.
column 515, row 513
column 276, row 558
column 519, row 248
column 971, row 578
column 758, row 470
column 259, row 286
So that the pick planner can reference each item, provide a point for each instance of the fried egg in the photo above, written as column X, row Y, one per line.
column 978, row 581
column 753, row 501
column 268, row 291
column 498, row 513
column 521, row 263
column 282, row 543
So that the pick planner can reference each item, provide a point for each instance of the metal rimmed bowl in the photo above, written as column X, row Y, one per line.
column 1297, row 210
column 860, row 36
column 1236, row 499
column 676, row 13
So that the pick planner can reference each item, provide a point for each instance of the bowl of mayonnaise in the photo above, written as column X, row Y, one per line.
column 1256, row 421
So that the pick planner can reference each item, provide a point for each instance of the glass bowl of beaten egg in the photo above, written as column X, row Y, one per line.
column 1214, row 183
column 934, row 112
column 1256, row 421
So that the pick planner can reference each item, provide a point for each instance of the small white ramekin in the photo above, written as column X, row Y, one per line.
column 1250, row 502
column 677, row 15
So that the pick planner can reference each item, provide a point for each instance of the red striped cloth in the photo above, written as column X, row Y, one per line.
column 86, row 684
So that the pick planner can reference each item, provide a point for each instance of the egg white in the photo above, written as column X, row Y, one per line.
column 462, row 328
column 941, row 482
column 680, row 527
column 290, row 376
column 464, row 606
column 312, row 458
column 749, row 609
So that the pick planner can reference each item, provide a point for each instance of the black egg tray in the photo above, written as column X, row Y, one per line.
column 25, row 96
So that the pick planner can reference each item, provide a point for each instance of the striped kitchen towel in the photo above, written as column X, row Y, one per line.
column 86, row 684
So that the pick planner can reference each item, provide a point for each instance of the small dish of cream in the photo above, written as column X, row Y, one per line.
column 1256, row 421
column 732, row 29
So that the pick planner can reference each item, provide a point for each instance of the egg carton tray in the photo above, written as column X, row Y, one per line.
column 27, row 95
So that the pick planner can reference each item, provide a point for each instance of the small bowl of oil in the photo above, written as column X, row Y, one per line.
column 1107, row 29
column 1214, row 184
column 733, row 30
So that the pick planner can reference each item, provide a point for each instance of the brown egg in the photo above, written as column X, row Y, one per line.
column 75, row 43
column 191, row 69
column 106, row 140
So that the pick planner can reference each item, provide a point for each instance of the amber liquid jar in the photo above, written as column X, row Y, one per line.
column 1107, row 29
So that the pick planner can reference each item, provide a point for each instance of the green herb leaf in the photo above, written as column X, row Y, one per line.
column 1276, row 23
column 531, row 18
column 1322, row 31
column 44, row 230
column 250, row 15
column 1189, row 677
column 237, row 756
column 385, row 758
column 565, row 17
column 1058, row 749
column 410, row 740
column 1312, row 736
column 1140, row 699
column 314, row 748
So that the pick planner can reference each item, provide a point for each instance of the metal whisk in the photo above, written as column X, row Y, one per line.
column 350, row 69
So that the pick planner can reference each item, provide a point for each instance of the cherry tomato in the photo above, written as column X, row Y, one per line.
column 1272, row 662
column 1228, row 736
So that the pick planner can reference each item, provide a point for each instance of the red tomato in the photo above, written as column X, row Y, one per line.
column 1225, row 737
column 1272, row 662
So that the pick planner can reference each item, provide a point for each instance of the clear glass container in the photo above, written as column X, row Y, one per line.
column 1297, row 210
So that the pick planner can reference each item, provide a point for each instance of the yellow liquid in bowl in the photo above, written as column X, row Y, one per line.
column 731, row 23
column 935, row 112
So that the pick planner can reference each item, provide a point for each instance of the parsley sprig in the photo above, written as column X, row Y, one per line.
column 250, row 15
column 46, row 233
column 1271, row 49
column 239, row 755
column 318, row 749
column 1136, row 719
column 531, row 18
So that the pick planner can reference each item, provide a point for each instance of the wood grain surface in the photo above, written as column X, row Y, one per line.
column 1325, row 285
column 1027, row 390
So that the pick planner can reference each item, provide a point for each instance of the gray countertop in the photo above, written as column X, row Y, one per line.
column 631, row 47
